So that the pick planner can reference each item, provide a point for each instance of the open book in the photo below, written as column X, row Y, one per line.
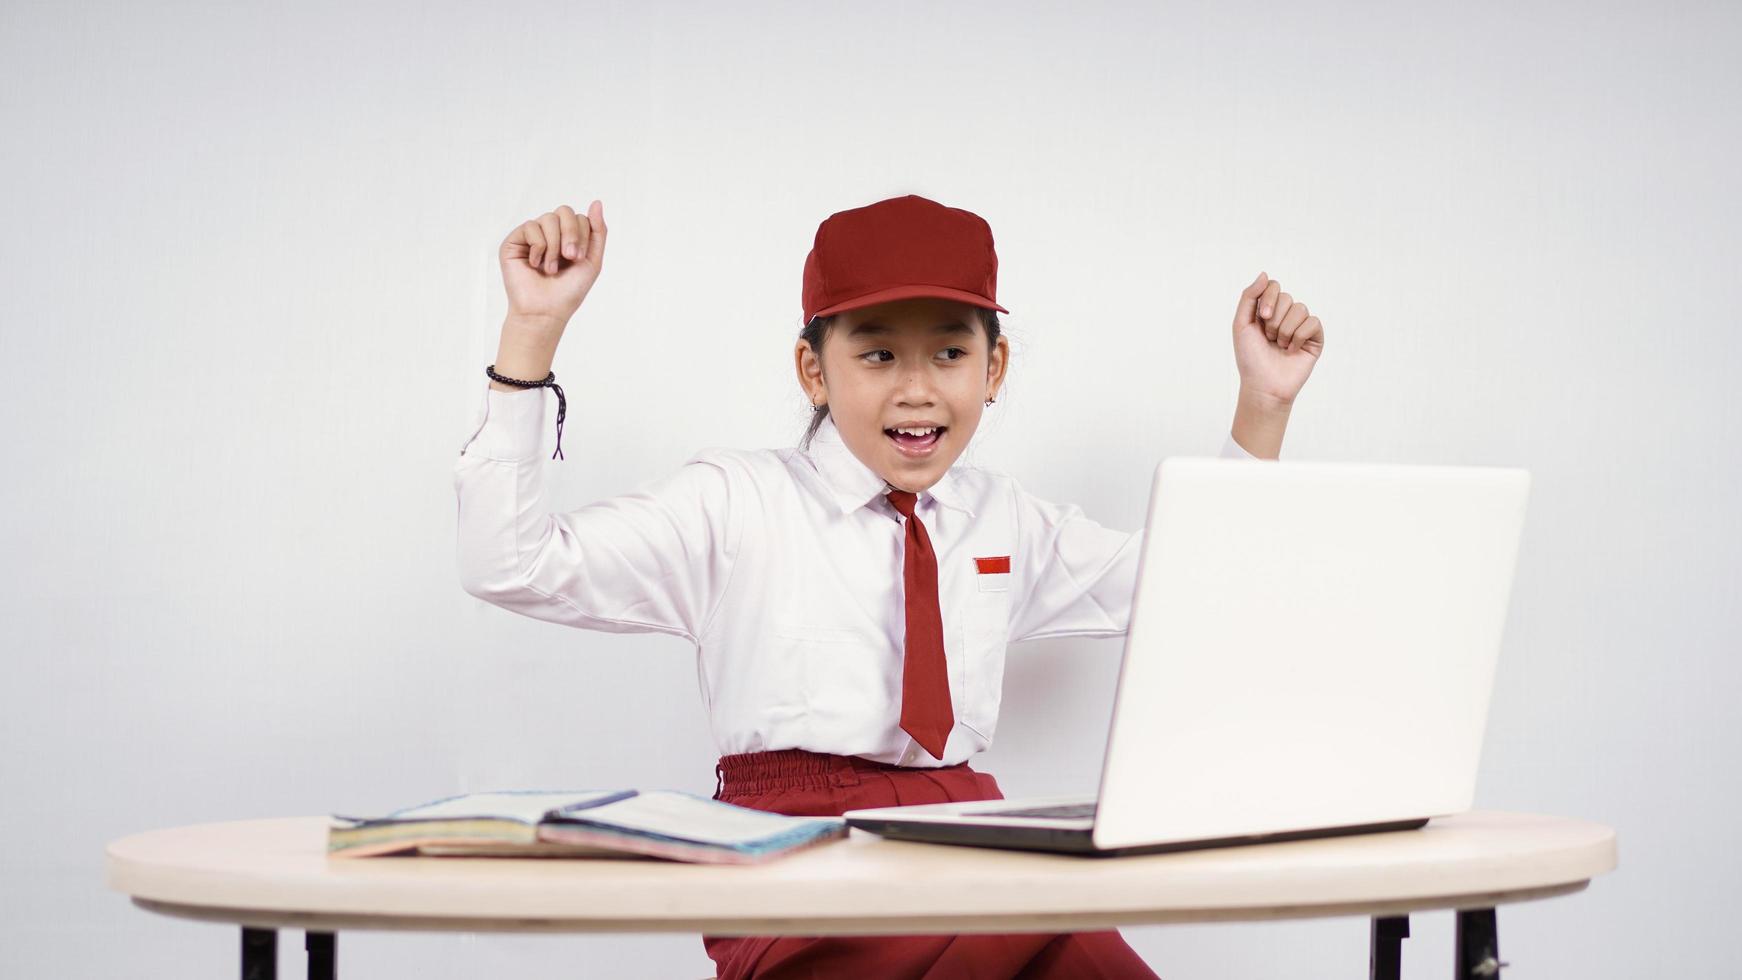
column 582, row 823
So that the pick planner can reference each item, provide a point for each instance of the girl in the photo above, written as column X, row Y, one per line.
column 850, row 600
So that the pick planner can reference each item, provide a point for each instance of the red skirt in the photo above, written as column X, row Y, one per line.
column 802, row 783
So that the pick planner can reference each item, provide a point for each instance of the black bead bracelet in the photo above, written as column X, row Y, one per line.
column 562, row 404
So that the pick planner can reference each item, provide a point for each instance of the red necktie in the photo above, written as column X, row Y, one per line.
column 925, row 678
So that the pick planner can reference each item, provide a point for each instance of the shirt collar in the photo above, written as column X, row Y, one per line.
column 854, row 485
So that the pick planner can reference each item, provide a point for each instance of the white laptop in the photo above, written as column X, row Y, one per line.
column 1311, row 652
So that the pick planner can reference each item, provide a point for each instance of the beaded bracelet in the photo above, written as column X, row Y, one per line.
column 562, row 405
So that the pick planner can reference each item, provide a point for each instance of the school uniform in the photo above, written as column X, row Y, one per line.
column 784, row 568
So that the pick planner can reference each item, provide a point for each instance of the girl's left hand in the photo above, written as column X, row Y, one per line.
column 1276, row 343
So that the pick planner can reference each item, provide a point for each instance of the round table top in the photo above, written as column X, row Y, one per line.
column 276, row 873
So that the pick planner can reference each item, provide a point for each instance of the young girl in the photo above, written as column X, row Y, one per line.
column 850, row 600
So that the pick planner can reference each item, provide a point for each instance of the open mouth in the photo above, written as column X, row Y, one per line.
column 915, row 442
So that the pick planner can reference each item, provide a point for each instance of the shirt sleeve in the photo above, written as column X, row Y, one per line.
column 1233, row 450
column 655, row 559
column 1076, row 577
column 1079, row 576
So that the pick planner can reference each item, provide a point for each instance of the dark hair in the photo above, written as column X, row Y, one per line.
column 818, row 328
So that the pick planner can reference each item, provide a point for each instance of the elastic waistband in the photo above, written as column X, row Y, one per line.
column 759, row 772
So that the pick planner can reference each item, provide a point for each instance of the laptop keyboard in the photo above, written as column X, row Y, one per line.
column 1064, row 811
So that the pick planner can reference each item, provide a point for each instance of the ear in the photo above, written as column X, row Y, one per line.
column 810, row 373
column 997, row 362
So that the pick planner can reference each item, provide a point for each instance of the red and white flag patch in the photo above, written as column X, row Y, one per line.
column 994, row 573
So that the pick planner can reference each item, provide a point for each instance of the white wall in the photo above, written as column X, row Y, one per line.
column 251, row 286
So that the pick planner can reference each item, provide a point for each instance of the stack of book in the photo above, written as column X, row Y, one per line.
column 582, row 823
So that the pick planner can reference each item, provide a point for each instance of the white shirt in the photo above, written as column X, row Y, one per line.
column 784, row 568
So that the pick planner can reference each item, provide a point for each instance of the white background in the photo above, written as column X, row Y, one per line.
column 251, row 286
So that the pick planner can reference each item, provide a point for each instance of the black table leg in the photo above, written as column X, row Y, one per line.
column 1385, row 961
column 1478, row 945
column 322, row 955
column 259, row 953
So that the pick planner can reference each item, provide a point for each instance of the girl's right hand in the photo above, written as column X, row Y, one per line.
column 550, row 262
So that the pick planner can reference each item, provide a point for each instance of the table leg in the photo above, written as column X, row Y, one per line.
column 259, row 953
column 1478, row 945
column 1385, row 959
column 323, row 955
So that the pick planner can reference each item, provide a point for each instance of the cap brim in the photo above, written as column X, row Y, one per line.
column 910, row 292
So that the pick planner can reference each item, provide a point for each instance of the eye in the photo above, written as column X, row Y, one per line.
column 958, row 350
column 871, row 352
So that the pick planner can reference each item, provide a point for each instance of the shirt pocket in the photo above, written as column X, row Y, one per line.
column 985, row 630
column 841, row 678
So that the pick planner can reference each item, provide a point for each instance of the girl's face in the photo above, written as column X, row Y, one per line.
column 920, row 363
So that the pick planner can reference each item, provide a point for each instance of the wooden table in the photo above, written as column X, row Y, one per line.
column 269, row 874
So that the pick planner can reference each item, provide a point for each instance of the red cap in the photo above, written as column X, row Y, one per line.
column 896, row 249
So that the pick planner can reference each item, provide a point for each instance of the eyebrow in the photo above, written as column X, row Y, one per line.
column 873, row 327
